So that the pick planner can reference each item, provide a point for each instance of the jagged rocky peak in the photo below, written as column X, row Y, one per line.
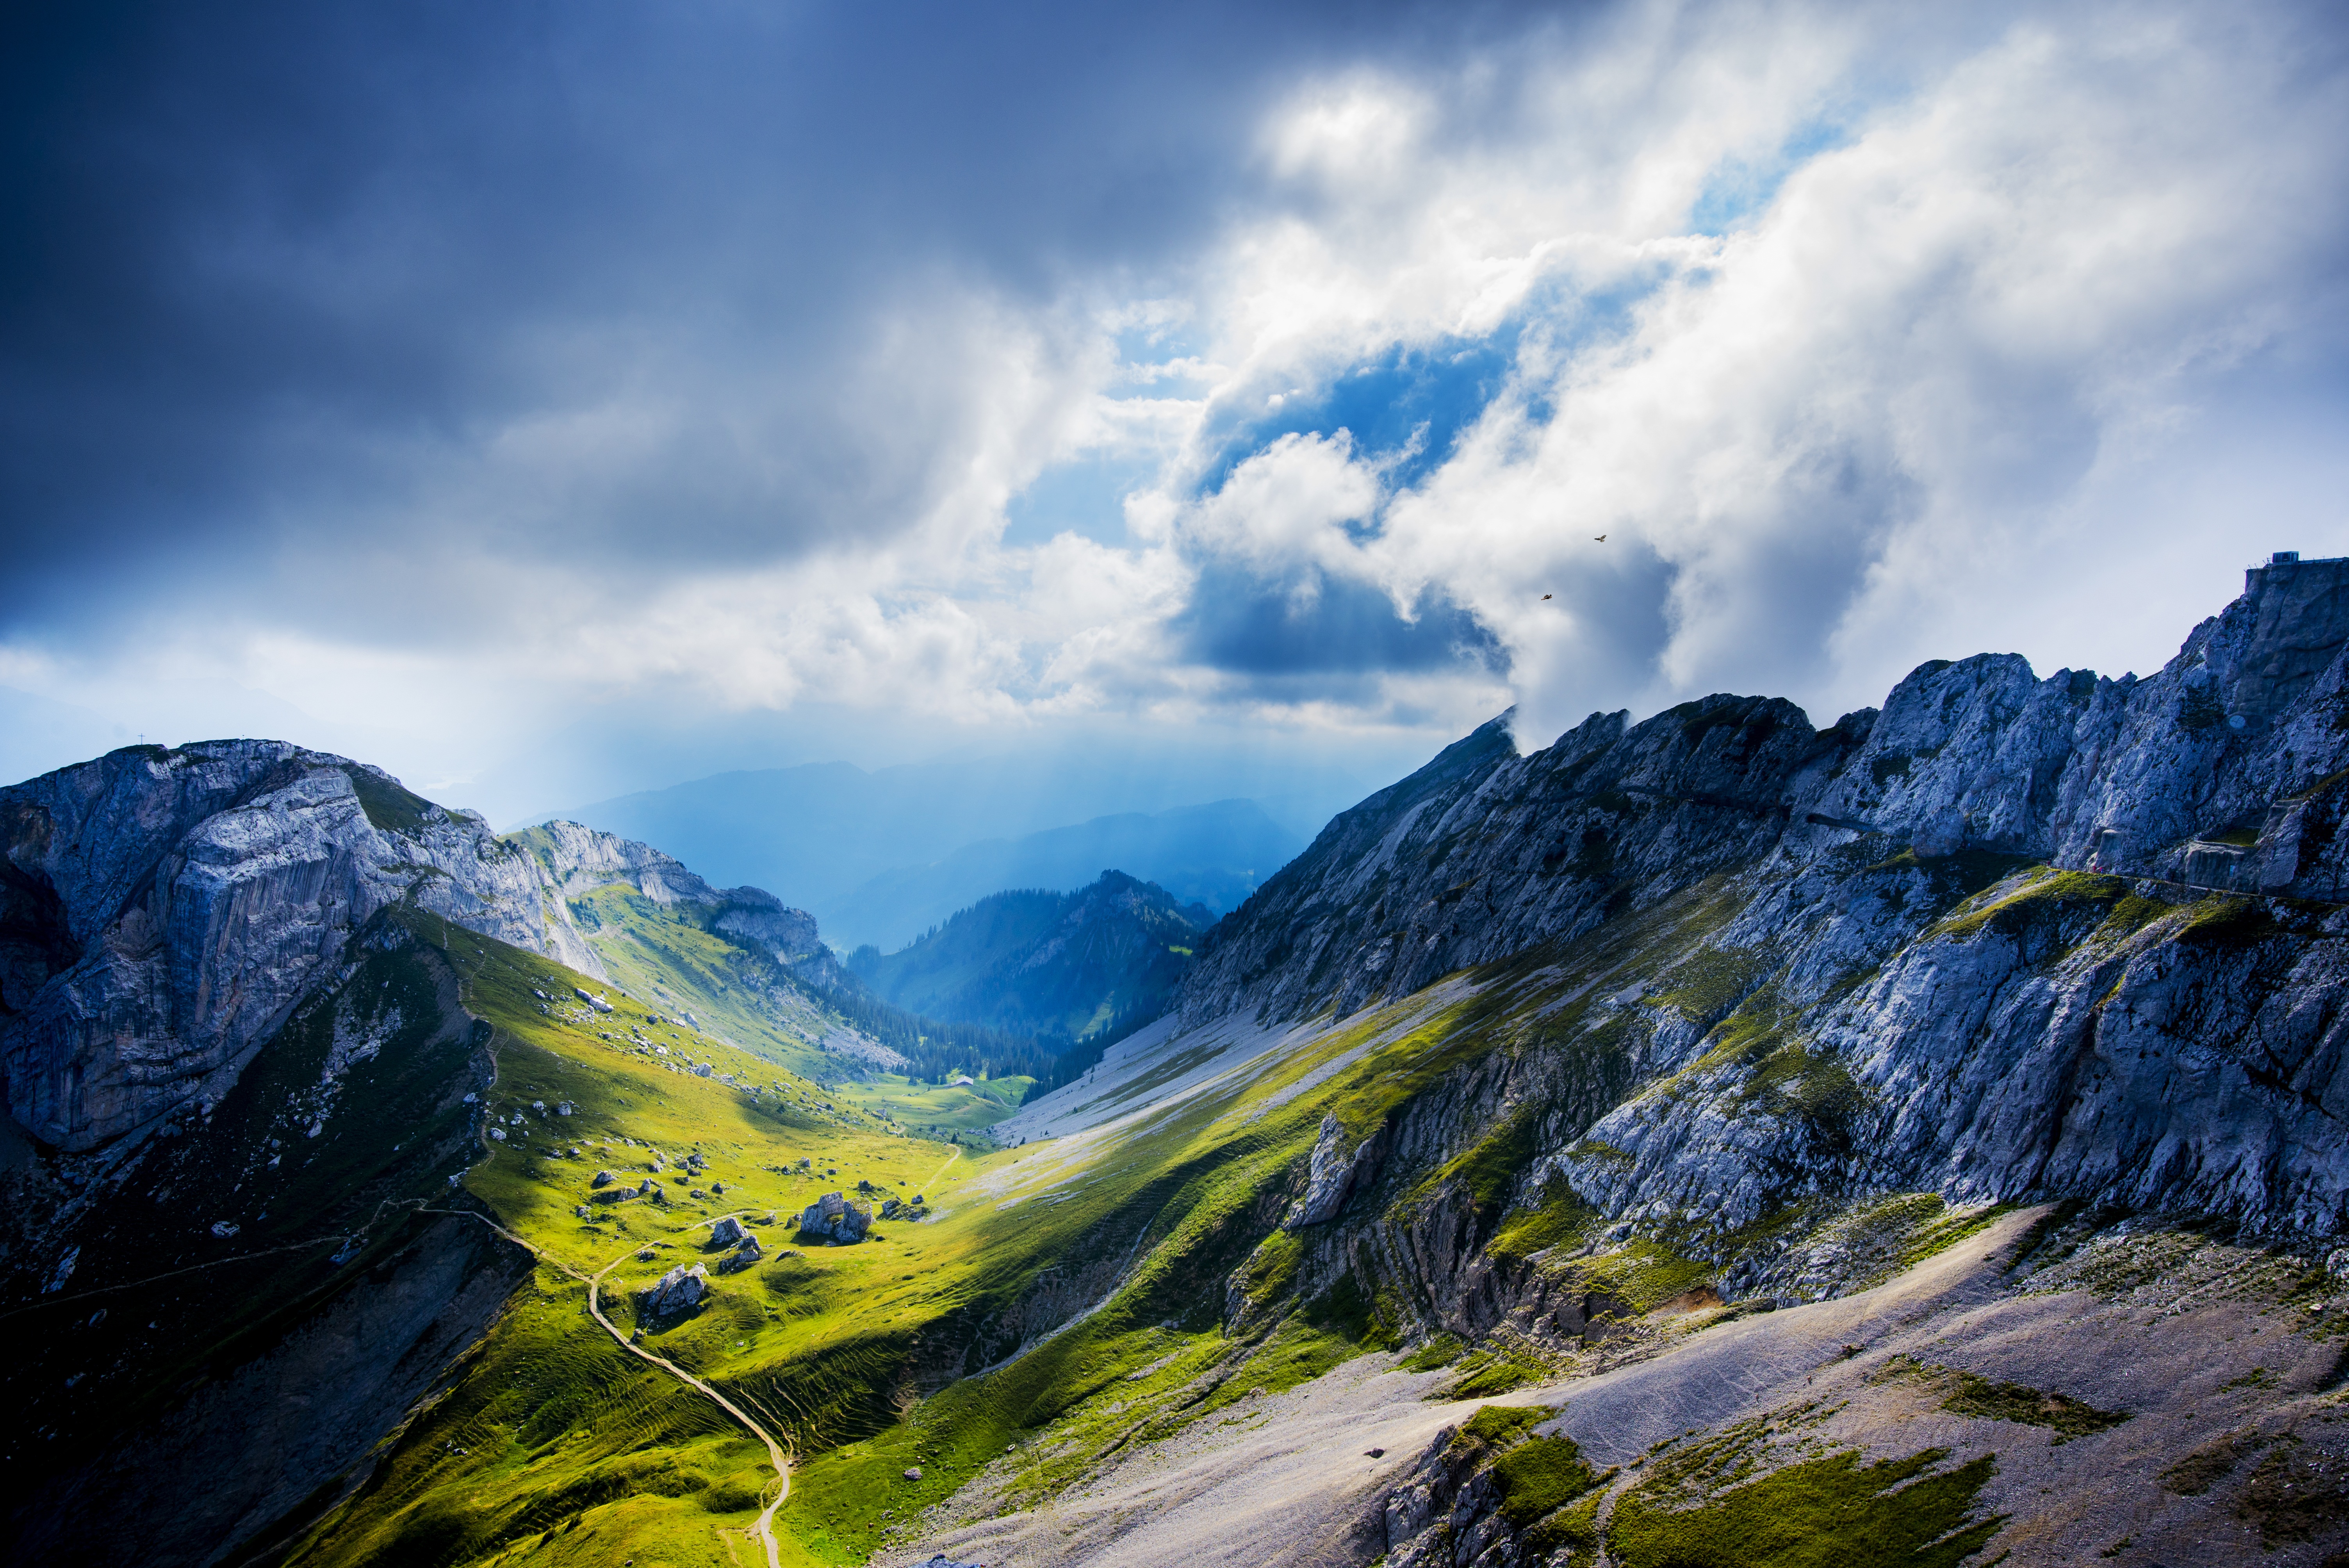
column 165, row 909
column 1985, row 943
column 162, row 911
column 578, row 860
column 2219, row 770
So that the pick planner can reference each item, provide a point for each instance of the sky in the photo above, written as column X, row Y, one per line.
column 551, row 400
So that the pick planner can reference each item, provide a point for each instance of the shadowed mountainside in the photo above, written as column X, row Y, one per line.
column 1032, row 962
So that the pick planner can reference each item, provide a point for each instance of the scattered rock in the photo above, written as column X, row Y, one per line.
column 916, row 1474
column 836, row 1219
column 601, row 1179
column 727, row 1231
column 679, row 1290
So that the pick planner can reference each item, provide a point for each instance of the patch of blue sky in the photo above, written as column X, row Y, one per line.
column 1739, row 189
column 1161, row 360
column 1406, row 406
column 1085, row 496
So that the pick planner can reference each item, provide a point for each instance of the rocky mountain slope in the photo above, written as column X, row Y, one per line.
column 1708, row 1141
column 165, row 910
column 1033, row 962
column 1964, row 944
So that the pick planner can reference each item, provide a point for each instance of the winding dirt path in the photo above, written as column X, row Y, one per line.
column 776, row 1453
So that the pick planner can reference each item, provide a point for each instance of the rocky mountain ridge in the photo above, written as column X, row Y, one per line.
column 2218, row 771
column 162, row 912
column 1530, row 1069
column 1030, row 961
column 2007, row 939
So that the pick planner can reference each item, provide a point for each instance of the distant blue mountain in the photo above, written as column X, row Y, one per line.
column 814, row 834
column 1071, row 964
column 1214, row 855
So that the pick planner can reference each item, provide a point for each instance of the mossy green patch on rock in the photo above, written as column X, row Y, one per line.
column 2011, row 905
column 1496, row 1427
column 1540, row 1476
column 2295, row 1496
column 1969, row 1394
column 1560, row 1217
column 1438, row 1353
column 388, row 807
column 2211, row 1463
column 1829, row 1512
column 1709, row 982
column 1493, row 1372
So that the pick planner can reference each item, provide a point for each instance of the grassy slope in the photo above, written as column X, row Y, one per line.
column 551, row 1436
column 663, row 958
column 554, row 1440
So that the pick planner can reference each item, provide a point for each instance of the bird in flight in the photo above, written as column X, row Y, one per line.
column 1545, row 596
column 1600, row 538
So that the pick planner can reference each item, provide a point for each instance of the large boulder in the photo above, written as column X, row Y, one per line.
column 1335, row 1175
column 837, row 1220
column 681, row 1289
column 727, row 1231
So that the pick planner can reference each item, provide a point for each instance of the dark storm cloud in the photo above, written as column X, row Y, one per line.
column 271, row 273
column 1319, row 626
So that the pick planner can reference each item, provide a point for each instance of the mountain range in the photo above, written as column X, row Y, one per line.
column 1212, row 856
column 1032, row 962
column 1707, row 1140
column 881, row 856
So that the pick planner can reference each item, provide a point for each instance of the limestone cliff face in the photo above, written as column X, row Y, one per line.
column 578, row 860
column 2010, row 937
column 164, row 909
column 162, row 912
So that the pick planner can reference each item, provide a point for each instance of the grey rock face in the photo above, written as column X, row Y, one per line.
column 160, row 912
column 1979, row 942
column 757, row 917
column 681, row 1289
column 837, row 1220
column 1334, row 1174
column 727, row 1231
column 1484, row 853
column 578, row 860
